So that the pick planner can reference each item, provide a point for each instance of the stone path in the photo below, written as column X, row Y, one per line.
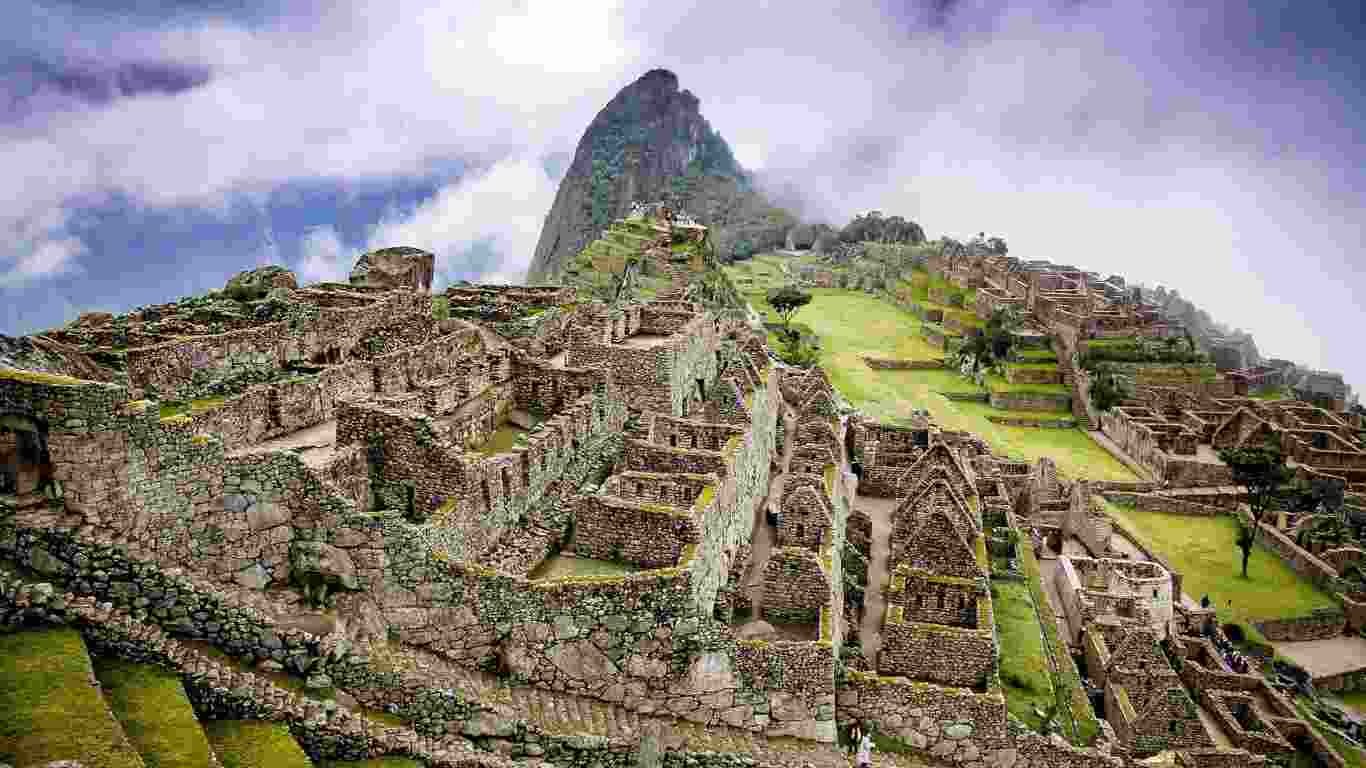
column 1212, row 727
column 1323, row 658
column 874, row 604
column 763, row 538
column 314, row 444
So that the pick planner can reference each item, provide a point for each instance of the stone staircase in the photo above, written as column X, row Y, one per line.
column 1077, row 381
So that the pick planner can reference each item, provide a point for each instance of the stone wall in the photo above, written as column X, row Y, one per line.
column 645, row 535
column 1295, row 556
column 1030, row 401
column 936, row 653
column 181, row 369
column 796, row 587
column 1320, row 625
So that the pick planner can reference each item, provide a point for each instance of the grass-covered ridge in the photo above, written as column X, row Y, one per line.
column 52, row 710
column 155, row 713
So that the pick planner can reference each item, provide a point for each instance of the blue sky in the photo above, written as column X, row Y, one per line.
column 153, row 152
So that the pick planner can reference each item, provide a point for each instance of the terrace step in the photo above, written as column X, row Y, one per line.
column 255, row 744
column 151, row 706
column 51, row 706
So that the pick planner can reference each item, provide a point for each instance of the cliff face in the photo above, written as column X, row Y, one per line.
column 649, row 143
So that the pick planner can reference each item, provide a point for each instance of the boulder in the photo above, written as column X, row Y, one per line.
column 314, row 565
column 391, row 268
column 256, row 283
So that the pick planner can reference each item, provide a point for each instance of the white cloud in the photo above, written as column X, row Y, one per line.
column 323, row 258
column 502, row 207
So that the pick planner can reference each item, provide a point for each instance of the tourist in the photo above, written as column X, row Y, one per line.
column 864, row 758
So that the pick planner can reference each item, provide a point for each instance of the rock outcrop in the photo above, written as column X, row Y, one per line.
column 651, row 143
column 400, row 267
column 257, row 283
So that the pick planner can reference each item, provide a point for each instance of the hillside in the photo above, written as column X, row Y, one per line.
column 651, row 143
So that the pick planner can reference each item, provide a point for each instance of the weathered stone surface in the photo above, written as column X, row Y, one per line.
column 316, row 562
column 256, row 283
column 399, row 267
column 582, row 660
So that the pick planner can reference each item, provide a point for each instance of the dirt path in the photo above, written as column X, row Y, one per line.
column 1322, row 658
column 874, row 603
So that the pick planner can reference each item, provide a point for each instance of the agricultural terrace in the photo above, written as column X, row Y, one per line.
column 852, row 324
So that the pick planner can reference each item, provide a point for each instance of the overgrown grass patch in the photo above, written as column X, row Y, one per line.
column 255, row 744
column 155, row 713
column 51, row 711
column 1025, row 674
column 1203, row 550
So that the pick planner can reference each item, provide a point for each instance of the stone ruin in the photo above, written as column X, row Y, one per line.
column 395, row 495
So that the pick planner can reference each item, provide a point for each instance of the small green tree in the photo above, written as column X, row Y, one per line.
column 786, row 301
column 1261, row 471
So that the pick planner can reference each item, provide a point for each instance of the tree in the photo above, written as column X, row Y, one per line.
column 786, row 301
column 1261, row 471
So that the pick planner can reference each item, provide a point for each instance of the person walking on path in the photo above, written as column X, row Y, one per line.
column 864, row 758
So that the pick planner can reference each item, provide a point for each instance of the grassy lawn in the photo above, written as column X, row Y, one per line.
column 563, row 566
column 1024, row 669
column 255, row 744
column 51, row 710
column 1202, row 549
column 853, row 324
column 156, row 715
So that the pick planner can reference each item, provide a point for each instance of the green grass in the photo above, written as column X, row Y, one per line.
column 156, row 715
column 1046, row 366
column 1024, row 668
column 1077, row 719
column 566, row 566
column 203, row 405
column 853, row 324
column 1203, row 550
column 1353, row 755
column 51, row 710
column 255, row 744
column 503, row 439
column 1036, row 355
column 1355, row 699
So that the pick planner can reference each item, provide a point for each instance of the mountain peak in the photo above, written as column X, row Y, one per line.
column 649, row 143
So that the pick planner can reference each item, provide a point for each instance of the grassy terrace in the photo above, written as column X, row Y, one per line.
column 1202, row 549
column 254, row 744
column 563, row 566
column 155, row 713
column 51, row 711
column 1024, row 668
column 503, row 439
column 853, row 324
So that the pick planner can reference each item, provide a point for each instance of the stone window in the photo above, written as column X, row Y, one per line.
column 488, row 496
column 941, row 600
column 701, row 390
column 507, row 481
column 673, row 441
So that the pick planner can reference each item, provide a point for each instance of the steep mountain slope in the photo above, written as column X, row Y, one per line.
column 651, row 143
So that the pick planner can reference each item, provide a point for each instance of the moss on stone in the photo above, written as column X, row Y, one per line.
column 378, row 762
column 51, row 710
column 39, row 377
column 254, row 744
column 155, row 713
